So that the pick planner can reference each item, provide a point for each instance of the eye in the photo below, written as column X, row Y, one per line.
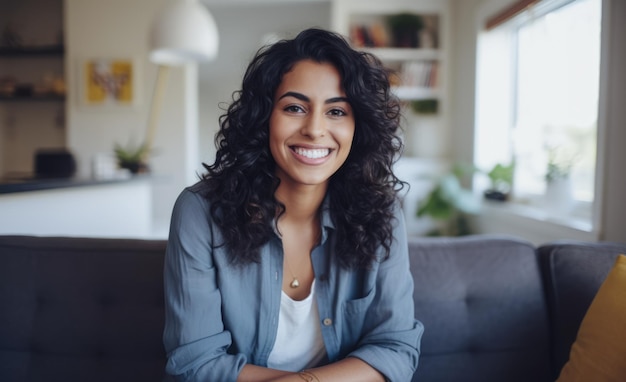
column 337, row 113
column 294, row 109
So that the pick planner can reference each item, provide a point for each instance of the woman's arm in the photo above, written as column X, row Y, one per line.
column 194, row 337
column 347, row 370
column 253, row 373
column 390, row 335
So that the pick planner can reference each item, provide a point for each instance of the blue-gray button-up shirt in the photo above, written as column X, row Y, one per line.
column 218, row 317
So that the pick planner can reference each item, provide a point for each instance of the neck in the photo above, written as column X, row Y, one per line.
column 302, row 205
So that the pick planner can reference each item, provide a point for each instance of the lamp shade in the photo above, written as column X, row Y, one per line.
column 183, row 32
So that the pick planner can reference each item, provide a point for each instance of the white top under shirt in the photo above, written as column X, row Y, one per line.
column 299, row 344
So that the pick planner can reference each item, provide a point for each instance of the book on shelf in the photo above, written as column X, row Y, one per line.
column 419, row 74
column 369, row 36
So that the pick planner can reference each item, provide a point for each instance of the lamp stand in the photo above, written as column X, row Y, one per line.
column 155, row 107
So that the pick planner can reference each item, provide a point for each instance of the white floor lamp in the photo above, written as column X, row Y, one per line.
column 183, row 32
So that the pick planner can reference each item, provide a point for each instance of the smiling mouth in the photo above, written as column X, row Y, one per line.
column 311, row 153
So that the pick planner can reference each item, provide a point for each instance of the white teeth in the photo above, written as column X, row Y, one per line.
column 312, row 154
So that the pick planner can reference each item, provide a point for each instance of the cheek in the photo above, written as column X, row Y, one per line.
column 346, row 135
column 276, row 138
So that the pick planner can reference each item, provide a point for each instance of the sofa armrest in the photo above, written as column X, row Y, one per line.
column 573, row 271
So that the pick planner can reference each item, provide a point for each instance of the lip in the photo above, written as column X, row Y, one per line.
column 307, row 160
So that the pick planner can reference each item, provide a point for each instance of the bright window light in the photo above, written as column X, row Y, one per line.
column 537, row 98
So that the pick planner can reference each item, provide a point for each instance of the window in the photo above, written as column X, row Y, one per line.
column 537, row 101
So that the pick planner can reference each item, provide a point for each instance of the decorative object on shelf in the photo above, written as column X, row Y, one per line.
column 425, row 106
column 501, row 178
column 109, row 82
column 132, row 158
column 428, row 34
column 51, row 87
column 405, row 29
column 448, row 204
column 10, row 37
column 558, row 195
column 556, row 171
column 54, row 163
column 23, row 90
column 7, row 85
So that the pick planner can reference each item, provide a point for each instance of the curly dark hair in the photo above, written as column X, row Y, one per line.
column 241, row 183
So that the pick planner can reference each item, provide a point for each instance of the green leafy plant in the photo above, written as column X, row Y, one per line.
column 560, row 163
column 405, row 28
column 425, row 106
column 556, row 170
column 501, row 178
column 449, row 204
column 132, row 157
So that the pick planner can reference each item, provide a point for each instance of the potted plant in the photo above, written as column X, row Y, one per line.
column 425, row 106
column 405, row 29
column 132, row 158
column 448, row 204
column 558, row 196
column 501, row 178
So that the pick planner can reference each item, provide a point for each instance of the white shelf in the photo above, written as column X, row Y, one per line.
column 404, row 54
column 407, row 93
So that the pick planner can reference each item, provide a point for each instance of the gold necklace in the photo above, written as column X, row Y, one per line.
column 294, row 282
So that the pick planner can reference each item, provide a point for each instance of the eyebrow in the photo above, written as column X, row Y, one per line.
column 304, row 98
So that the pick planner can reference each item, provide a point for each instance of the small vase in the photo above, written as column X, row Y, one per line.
column 558, row 196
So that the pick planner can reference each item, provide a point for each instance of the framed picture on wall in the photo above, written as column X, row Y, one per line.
column 108, row 82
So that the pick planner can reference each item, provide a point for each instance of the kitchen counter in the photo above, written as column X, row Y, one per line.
column 13, row 185
column 77, row 207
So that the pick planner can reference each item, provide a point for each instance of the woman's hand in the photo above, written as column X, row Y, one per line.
column 253, row 373
column 347, row 370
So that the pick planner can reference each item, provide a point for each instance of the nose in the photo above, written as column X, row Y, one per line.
column 314, row 126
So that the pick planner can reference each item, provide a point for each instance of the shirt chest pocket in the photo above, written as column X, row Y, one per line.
column 354, row 318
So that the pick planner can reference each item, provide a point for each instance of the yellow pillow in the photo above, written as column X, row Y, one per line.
column 599, row 352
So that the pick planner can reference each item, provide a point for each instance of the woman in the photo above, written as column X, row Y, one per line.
column 288, row 260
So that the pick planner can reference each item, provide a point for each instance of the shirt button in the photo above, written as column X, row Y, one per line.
column 327, row 322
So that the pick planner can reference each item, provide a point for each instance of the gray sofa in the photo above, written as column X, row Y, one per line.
column 494, row 308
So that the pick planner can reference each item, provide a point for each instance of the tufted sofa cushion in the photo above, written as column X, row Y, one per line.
column 81, row 309
column 481, row 301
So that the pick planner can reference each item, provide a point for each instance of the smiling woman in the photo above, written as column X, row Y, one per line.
column 311, row 126
column 288, row 261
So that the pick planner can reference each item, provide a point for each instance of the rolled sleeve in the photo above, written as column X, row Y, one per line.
column 194, row 337
column 392, row 338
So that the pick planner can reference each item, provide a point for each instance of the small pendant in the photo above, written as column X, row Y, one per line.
column 295, row 283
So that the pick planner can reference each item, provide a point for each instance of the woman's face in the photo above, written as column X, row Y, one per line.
column 311, row 125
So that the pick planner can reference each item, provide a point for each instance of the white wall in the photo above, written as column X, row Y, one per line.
column 463, row 79
column 119, row 29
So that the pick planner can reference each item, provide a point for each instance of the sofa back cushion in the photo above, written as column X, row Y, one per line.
column 573, row 273
column 481, row 301
column 81, row 309
column 600, row 348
